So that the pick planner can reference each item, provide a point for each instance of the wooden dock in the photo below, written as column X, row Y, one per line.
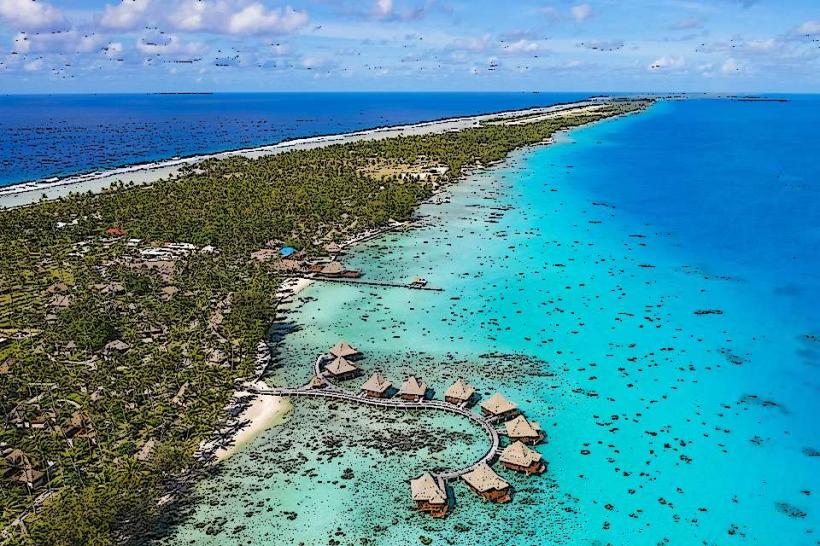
column 382, row 284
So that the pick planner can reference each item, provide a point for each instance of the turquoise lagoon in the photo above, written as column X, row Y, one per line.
column 576, row 282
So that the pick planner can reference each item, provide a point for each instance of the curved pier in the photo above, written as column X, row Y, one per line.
column 334, row 393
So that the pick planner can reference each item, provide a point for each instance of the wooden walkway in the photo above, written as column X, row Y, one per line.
column 332, row 392
column 372, row 283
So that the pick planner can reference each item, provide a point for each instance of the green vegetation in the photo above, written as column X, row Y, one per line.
column 118, row 367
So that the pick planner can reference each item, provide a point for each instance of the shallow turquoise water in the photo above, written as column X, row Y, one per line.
column 571, row 277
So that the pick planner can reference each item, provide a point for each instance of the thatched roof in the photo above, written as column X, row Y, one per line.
column 521, row 428
column 333, row 268
column 333, row 248
column 519, row 454
column 343, row 349
column 413, row 386
column 460, row 390
column 341, row 366
column 497, row 404
column 117, row 345
column 376, row 383
column 426, row 489
column 484, row 479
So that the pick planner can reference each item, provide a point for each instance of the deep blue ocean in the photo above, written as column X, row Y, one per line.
column 44, row 136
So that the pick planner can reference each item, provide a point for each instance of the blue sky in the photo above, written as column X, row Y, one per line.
column 50, row 46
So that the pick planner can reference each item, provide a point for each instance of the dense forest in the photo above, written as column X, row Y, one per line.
column 115, row 367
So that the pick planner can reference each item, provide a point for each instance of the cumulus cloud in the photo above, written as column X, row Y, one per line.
column 28, row 15
column 157, row 43
column 668, row 63
column 70, row 41
column 581, row 12
column 731, row 66
column 810, row 28
column 127, row 15
column 235, row 17
column 33, row 66
column 216, row 16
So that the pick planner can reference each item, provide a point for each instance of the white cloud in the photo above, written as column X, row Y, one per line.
column 255, row 19
column 114, row 50
column 168, row 44
column 67, row 42
column 581, row 12
column 731, row 66
column 31, row 15
column 383, row 8
column 33, row 66
column 127, row 15
column 668, row 63
column 521, row 46
column 235, row 17
column 810, row 27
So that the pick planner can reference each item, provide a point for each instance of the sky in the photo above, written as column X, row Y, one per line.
column 99, row 46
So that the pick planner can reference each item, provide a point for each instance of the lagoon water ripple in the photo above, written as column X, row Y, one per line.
column 576, row 277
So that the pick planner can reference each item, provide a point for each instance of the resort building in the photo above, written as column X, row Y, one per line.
column 377, row 386
column 430, row 495
column 528, row 432
column 498, row 406
column 317, row 382
column 20, row 470
column 344, row 350
column 520, row 458
column 459, row 393
column 489, row 485
column 342, row 368
column 413, row 389
column 333, row 248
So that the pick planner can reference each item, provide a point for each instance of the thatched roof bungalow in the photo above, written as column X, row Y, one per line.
column 486, row 483
column 342, row 368
column 345, row 350
column 520, row 458
column 413, row 389
column 498, row 406
column 459, row 393
column 430, row 495
column 377, row 386
column 525, row 431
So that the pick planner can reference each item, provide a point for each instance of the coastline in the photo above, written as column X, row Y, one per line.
column 264, row 412
column 27, row 193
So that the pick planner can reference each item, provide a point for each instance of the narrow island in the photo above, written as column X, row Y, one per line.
column 134, row 320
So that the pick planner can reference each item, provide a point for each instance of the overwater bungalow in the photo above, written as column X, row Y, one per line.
column 377, row 386
column 486, row 483
column 520, row 458
column 430, row 495
column 528, row 432
column 342, row 368
column 413, row 389
column 498, row 406
column 344, row 350
column 459, row 393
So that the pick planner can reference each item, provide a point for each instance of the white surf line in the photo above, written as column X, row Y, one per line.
column 146, row 173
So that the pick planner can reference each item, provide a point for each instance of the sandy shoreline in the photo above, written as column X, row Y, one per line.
column 30, row 192
column 260, row 412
